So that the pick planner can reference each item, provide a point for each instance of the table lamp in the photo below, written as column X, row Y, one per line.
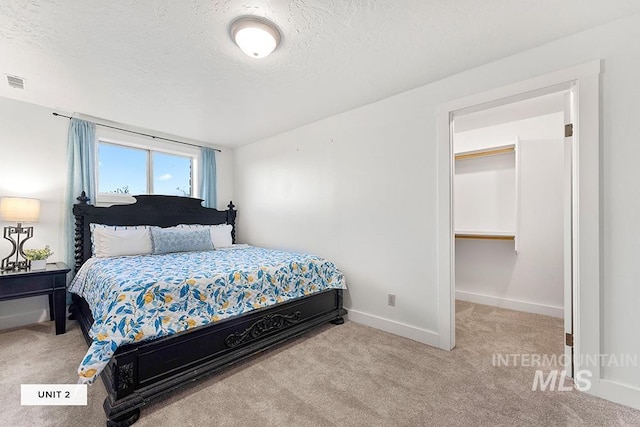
column 18, row 209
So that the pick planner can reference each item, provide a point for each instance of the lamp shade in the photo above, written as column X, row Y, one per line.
column 19, row 209
column 255, row 36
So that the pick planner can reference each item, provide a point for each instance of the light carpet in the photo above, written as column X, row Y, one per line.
column 347, row 375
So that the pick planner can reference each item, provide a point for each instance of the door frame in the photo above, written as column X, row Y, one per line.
column 584, row 80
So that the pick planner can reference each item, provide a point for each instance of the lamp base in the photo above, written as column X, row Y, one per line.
column 16, row 264
column 12, row 265
column 8, row 266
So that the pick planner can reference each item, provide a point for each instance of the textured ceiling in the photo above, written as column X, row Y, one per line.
column 170, row 65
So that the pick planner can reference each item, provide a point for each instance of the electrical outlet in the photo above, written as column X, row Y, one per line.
column 391, row 300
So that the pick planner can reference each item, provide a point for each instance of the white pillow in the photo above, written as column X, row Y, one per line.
column 111, row 241
column 220, row 233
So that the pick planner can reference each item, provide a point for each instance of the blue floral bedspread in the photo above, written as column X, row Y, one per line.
column 137, row 298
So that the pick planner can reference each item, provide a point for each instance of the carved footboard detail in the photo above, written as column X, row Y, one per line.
column 268, row 323
column 122, row 373
column 124, row 377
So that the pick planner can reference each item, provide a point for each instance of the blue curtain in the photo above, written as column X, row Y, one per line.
column 81, row 148
column 208, row 178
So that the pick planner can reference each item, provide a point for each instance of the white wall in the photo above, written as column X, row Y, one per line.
column 360, row 188
column 329, row 188
column 485, row 194
column 490, row 271
column 33, row 164
column 33, row 144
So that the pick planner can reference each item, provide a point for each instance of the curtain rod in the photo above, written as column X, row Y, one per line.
column 140, row 133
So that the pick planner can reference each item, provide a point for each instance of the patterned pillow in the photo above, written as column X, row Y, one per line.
column 165, row 241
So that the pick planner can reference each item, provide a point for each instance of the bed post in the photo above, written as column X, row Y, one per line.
column 78, row 244
column 78, row 231
column 231, row 219
column 341, row 311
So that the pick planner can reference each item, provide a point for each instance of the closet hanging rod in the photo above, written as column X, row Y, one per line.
column 484, row 152
column 140, row 133
column 484, row 237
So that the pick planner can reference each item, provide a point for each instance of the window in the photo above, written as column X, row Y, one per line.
column 172, row 174
column 122, row 170
column 127, row 170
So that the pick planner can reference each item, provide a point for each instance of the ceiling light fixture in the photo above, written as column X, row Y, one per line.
column 257, row 37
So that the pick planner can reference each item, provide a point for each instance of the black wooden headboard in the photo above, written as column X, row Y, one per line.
column 162, row 211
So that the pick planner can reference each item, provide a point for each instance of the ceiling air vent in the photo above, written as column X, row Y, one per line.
column 15, row 81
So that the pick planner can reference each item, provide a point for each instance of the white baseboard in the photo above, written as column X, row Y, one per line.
column 620, row 393
column 424, row 336
column 22, row 319
column 529, row 307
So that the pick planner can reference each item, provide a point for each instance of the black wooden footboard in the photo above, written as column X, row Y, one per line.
column 140, row 373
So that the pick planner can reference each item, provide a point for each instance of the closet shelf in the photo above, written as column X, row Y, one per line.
column 488, row 235
column 489, row 151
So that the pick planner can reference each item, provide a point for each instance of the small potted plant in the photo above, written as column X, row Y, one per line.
column 38, row 257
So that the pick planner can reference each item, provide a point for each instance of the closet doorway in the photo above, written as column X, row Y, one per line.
column 582, row 306
column 512, row 210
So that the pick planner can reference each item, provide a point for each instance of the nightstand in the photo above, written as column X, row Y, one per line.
column 51, row 281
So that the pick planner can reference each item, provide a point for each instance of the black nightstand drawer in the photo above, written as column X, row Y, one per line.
column 34, row 284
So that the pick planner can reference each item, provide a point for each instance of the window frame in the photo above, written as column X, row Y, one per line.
column 132, row 141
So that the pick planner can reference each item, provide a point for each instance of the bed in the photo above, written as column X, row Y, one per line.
column 137, row 373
